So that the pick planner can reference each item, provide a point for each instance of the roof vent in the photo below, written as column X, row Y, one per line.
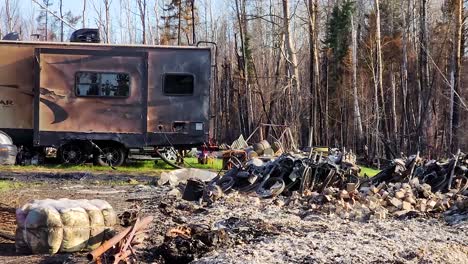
column 11, row 36
column 86, row 35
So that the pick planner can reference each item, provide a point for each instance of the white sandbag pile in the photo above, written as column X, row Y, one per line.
column 64, row 225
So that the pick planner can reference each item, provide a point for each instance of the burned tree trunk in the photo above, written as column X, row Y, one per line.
column 394, row 111
column 378, row 76
column 83, row 15
column 9, row 16
column 313, row 72
column 404, row 79
column 456, row 88
column 292, row 64
column 357, row 111
column 425, row 93
column 108, row 23
column 192, row 9
column 244, row 64
column 142, row 9
column 61, row 22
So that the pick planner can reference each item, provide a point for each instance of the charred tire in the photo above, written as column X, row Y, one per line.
column 72, row 154
column 110, row 155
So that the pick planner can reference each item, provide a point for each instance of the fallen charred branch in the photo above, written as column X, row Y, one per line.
column 123, row 240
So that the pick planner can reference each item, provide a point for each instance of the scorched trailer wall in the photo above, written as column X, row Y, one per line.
column 52, row 94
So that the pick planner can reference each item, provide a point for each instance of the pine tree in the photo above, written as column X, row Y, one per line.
column 178, row 22
column 43, row 21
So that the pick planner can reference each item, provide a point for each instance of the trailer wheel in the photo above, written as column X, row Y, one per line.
column 71, row 154
column 110, row 155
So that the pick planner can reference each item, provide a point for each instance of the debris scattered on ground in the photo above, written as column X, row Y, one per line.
column 290, row 172
column 457, row 214
column 120, row 247
column 406, row 188
column 130, row 215
column 291, row 229
column 284, row 229
column 175, row 177
column 401, row 200
column 183, row 244
column 442, row 176
column 297, row 199
column 7, row 222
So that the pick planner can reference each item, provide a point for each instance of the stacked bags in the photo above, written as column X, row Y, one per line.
column 64, row 225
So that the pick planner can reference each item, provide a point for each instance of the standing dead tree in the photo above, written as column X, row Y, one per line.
column 454, row 115
column 142, row 12
column 425, row 92
column 83, row 14
column 378, row 76
column 61, row 19
column 245, row 68
column 291, row 58
column 11, row 16
column 107, row 28
column 357, row 111
column 314, row 73
column 103, row 19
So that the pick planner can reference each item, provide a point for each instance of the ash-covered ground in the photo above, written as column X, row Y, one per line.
column 241, row 228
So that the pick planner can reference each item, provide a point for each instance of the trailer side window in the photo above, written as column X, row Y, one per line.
column 178, row 84
column 102, row 84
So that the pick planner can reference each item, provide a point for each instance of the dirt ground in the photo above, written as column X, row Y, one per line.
column 253, row 230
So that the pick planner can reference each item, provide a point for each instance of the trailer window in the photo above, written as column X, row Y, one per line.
column 178, row 84
column 102, row 84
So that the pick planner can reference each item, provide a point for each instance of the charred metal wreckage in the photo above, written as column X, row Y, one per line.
column 315, row 172
column 107, row 101
column 288, row 173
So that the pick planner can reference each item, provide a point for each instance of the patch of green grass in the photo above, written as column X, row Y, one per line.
column 214, row 164
column 147, row 167
column 7, row 185
column 368, row 171
column 142, row 166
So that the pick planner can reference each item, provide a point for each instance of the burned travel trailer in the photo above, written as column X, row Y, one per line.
column 90, row 99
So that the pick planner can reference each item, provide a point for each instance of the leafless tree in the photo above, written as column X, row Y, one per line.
column 456, row 88
column 357, row 110
column 103, row 19
column 61, row 21
column 142, row 12
column 314, row 75
column 378, row 76
column 11, row 15
column 83, row 14
column 425, row 93
column 290, row 49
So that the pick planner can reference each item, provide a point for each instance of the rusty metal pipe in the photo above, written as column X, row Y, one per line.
column 93, row 255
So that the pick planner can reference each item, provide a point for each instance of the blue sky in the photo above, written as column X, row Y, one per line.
column 30, row 10
column 76, row 5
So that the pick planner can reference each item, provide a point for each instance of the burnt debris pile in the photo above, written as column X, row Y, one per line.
column 315, row 173
column 289, row 172
column 407, row 187
column 401, row 200
column 187, row 242
column 442, row 176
